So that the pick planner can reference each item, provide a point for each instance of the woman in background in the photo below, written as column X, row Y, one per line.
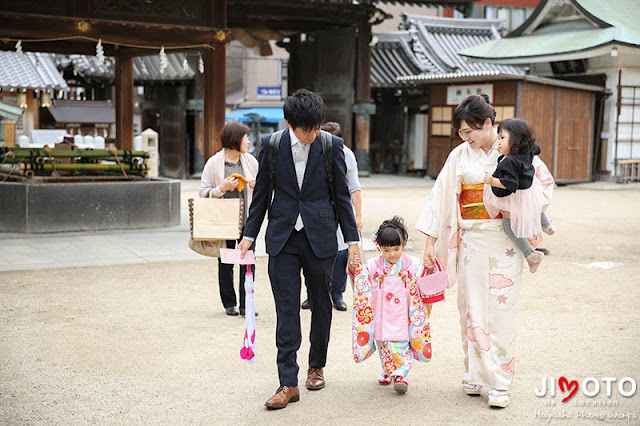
column 217, row 182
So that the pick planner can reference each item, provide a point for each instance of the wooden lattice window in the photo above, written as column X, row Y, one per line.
column 441, row 120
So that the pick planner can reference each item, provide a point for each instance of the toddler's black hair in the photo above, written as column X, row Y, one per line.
column 521, row 139
column 392, row 232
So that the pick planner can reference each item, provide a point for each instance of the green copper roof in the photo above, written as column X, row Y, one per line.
column 612, row 21
column 9, row 112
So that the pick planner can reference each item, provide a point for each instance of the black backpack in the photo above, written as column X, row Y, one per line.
column 327, row 155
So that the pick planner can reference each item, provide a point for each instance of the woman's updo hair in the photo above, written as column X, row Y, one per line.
column 474, row 110
column 392, row 232
column 521, row 139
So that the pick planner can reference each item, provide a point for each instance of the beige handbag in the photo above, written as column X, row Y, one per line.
column 213, row 221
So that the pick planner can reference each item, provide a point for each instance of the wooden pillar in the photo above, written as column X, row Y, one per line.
column 293, row 83
column 364, row 106
column 124, row 102
column 32, row 112
column 214, row 99
column 215, row 90
column 9, row 133
column 198, row 126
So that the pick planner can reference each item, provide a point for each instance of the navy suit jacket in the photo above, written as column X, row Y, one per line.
column 312, row 202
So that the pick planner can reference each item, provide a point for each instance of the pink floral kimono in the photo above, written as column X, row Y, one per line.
column 388, row 309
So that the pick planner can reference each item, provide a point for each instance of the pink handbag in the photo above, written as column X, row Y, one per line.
column 432, row 286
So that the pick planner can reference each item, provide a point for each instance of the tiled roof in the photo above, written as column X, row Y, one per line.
column 426, row 47
column 83, row 111
column 575, row 29
column 392, row 57
column 89, row 67
column 32, row 71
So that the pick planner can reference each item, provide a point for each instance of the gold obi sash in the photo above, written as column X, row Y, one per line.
column 472, row 204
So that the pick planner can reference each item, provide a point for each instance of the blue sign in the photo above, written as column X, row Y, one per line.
column 269, row 93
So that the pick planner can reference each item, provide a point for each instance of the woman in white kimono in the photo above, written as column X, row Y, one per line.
column 477, row 253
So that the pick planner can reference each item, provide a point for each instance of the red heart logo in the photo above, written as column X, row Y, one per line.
column 569, row 385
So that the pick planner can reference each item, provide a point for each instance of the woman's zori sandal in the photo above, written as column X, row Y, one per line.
column 499, row 398
column 470, row 389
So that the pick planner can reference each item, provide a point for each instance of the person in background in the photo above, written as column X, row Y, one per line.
column 217, row 182
column 339, row 282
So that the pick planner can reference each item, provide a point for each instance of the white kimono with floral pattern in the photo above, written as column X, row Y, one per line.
column 484, row 262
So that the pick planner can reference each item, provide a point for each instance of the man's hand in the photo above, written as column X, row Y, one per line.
column 352, row 264
column 244, row 246
column 354, row 254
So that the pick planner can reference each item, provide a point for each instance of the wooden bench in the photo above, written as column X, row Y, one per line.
column 629, row 170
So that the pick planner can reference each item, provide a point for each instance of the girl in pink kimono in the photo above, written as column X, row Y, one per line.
column 401, row 322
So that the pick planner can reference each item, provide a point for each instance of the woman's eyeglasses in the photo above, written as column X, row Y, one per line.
column 463, row 133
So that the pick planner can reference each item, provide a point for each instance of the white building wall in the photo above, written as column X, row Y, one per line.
column 263, row 71
column 623, row 69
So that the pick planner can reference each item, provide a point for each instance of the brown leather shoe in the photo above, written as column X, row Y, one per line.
column 315, row 379
column 283, row 396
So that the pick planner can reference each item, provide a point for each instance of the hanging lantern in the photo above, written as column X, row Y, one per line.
column 45, row 100
column 185, row 66
column 22, row 100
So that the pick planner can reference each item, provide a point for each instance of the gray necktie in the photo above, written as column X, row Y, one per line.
column 300, row 155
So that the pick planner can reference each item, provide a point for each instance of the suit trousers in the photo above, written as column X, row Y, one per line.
column 225, row 279
column 284, row 274
column 339, row 284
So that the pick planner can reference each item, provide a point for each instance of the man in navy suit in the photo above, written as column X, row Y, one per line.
column 301, row 235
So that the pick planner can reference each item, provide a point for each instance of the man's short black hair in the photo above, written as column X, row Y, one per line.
column 304, row 109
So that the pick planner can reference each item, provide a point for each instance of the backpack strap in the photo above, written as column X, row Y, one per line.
column 272, row 157
column 327, row 155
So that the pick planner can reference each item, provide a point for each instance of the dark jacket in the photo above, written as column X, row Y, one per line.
column 313, row 202
column 515, row 171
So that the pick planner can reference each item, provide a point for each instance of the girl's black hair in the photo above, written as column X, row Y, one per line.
column 474, row 110
column 521, row 140
column 392, row 232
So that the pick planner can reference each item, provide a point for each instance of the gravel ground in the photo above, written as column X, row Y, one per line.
column 150, row 343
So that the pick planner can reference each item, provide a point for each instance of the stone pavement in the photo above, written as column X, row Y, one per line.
column 75, row 249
